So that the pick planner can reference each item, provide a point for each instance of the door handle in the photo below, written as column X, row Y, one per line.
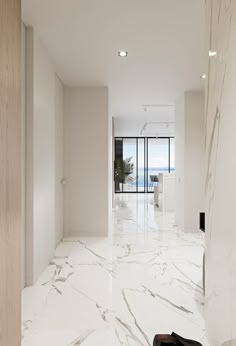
column 63, row 181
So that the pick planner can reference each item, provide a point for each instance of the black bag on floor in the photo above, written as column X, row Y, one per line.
column 172, row 340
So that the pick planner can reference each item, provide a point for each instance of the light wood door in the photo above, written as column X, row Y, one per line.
column 10, row 172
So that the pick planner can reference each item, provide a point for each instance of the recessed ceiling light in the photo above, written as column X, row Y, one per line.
column 122, row 54
column 203, row 76
column 212, row 53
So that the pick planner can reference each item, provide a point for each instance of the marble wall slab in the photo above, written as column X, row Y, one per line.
column 220, row 182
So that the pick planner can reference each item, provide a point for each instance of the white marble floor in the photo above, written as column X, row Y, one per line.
column 144, row 279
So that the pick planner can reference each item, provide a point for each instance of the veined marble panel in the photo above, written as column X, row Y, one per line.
column 144, row 279
column 221, row 168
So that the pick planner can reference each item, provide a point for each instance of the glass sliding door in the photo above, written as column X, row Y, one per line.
column 118, row 166
column 141, row 165
column 129, row 179
column 125, row 166
column 139, row 160
column 172, row 154
column 158, row 159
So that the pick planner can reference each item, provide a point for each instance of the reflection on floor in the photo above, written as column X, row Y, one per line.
column 145, row 279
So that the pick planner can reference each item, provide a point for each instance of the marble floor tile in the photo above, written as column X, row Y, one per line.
column 145, row 278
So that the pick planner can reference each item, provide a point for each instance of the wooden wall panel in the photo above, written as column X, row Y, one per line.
column 10, row 172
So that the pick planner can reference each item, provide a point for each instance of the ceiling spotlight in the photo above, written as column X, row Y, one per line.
column 203, row 76
column 123, row 54
column 212, row 53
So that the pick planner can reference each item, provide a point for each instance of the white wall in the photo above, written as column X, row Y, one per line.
column 194, row 159
column 190, row 165
column 59, row 160
column 221, row 173
column 179, row 159
column 42, row 91
column 86, row 161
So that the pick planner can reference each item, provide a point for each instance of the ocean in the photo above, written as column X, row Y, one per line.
column 142, row 172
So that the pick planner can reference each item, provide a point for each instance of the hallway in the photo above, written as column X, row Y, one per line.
column 142, row 280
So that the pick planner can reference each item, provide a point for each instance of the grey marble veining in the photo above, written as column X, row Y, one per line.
column 122, row 290
column 220, row 178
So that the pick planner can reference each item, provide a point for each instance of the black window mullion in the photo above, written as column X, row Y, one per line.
column 122, row 164
column 147, row 165
column 136, row 164
column 169, row 152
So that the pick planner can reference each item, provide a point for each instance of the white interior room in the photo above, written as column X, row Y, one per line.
column 127, row 122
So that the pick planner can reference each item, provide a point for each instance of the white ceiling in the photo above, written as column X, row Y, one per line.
column 164, row 38
column 154, row 122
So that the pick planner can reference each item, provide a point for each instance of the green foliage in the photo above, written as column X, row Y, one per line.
column 123, row 168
